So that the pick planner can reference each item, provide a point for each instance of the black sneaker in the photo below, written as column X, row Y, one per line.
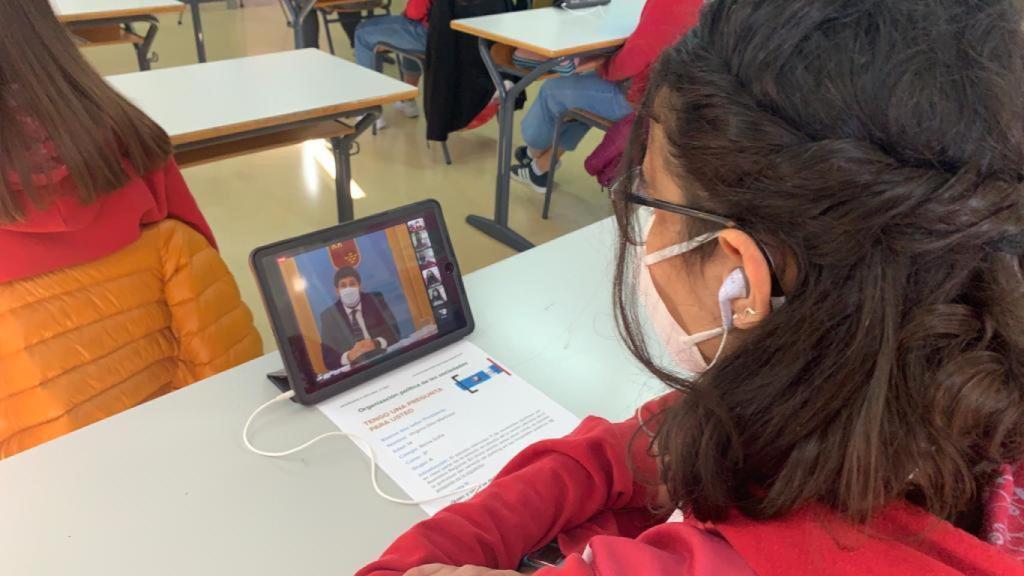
column 522, row 156
column 524, row 173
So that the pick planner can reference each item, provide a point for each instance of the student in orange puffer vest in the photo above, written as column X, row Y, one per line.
column 111, row 289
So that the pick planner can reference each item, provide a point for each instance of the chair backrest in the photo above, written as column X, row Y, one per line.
column 84, row 343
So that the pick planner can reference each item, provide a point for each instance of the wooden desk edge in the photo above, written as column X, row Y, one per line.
column 547, row 53
column 316, row 113
column 89, row 16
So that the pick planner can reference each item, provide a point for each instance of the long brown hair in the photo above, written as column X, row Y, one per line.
column 49, row 94
column 879, row 146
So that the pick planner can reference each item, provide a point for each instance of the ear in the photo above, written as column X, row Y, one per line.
column 743, row 251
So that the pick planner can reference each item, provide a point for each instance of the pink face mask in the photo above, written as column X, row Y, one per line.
column 681, row 346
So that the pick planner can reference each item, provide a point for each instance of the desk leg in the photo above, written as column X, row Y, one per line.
column 306, row 32
column 142, row 51
column 197, row 28
column 342, row 146
column 343, row 177
column 498, row 227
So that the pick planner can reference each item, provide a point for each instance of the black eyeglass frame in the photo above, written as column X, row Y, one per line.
column 618, row 195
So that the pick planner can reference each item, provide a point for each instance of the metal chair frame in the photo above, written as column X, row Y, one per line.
column 571, row 115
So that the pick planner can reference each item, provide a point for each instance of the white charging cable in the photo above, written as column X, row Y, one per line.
column 355, row 438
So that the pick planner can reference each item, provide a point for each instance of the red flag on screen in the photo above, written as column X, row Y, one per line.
column 345, row 254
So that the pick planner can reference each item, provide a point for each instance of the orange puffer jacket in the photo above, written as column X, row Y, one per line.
column 81, row 344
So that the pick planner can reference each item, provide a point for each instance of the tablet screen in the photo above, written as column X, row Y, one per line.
column 353, row 303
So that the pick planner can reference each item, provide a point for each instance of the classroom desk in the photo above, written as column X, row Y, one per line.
column 100, row 22
column 168, row 488
column 234, row 107
column 556, row 34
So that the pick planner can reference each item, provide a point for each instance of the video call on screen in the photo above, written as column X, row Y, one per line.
column 363, row 300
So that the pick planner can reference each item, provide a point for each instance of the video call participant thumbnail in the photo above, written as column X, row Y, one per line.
column 358, row 326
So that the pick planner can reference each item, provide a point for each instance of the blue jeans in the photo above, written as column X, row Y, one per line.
column 587, row 91
column 399, row 31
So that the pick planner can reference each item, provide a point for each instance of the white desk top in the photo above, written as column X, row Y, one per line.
column 168, row 488
column 76, row 10
column 221, row 98
column 555, row 32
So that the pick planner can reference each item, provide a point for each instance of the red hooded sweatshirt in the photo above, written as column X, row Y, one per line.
column 418, row 10
column 580, row 491
column 662, row 23
column 68, row 232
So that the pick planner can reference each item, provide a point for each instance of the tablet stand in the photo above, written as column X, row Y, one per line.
column 280, row 379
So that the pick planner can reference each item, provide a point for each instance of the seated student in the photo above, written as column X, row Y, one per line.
column 358, row 326
column 610, row 93
column 111, row 290
column 834, row 264
column 436, row 298
column 406, row 31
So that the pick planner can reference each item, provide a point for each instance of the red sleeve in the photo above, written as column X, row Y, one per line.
column 418, row 10
column 175, row 200
column 674, row 549
column 662, row 23
column 550, row 487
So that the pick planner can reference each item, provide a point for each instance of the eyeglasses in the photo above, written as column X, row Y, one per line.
column 631, row 188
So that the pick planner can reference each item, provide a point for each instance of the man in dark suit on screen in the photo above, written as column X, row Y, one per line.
column 358, row 326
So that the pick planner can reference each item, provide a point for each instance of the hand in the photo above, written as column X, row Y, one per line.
column 361, row 348
column 443, row 570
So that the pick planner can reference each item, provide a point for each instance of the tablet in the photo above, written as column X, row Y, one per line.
column 351, row 302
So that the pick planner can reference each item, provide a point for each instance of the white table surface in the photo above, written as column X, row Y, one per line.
column 556, row 32
column 70, row 10
column 199, row 101
column 168, row 488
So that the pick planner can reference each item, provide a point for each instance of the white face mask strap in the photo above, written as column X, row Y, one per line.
column 699, row 337
column 677, row 249
column 708, row 335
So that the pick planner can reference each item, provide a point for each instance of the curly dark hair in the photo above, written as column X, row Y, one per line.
column 878, row 145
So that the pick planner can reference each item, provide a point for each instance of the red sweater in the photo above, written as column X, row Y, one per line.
column 662, row 23
column 68, row 232
column 580, row 490
column 418, row 10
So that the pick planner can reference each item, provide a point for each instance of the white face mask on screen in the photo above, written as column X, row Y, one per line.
column 350, row 296
column 680, row 345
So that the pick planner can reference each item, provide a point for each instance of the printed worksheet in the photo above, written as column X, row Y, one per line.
column 448, row 422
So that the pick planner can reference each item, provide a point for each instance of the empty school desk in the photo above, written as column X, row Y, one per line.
column 168, row 488
column 106, row 22
column 234, row 107
column 555, row 34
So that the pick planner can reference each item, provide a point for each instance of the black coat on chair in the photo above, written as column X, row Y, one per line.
column 456, row 86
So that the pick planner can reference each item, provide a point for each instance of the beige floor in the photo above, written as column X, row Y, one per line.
column 261, row 198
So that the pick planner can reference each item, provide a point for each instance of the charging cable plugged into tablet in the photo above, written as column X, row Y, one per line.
column 355, row 438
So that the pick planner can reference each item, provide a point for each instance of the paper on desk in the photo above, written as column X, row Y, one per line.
column 448, row 421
